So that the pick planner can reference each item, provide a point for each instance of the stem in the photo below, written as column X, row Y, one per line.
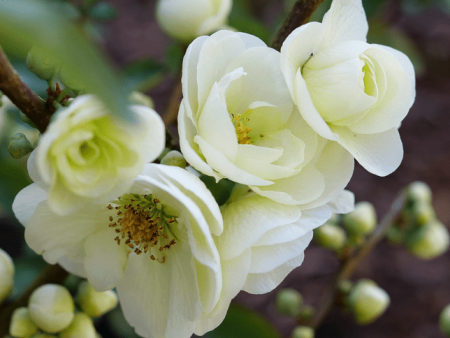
column 50, row 274
column 352, row 263
column 63, row 94
column 299, row 15
column 21, row 95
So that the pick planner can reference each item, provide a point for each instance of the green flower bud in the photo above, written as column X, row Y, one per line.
column 362, row 220
column 444, row 321
column 6, row 275
column 428, row 241
column 330, row 236
column 51, row 307
column 19, row 146
column 303, row 332
column 42, row 63
column 94, row 303
column 419, row 191
column 424, row 213
column 142, row 99
column 307, row 312
column 288, row 302
column 21, row 324
column 174, row 158
column 81, row 326
column 367, row 301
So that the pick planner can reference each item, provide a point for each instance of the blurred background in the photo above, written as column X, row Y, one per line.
column 128, row 34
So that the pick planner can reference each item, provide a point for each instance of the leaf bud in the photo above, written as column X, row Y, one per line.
column 444, row 321
column 51, row 307
column 419, row 191
column 367, row 301
column 288, row 302
column 6, row 275
column 21, row 324
column 81, row 326
column 330, row 236
column 142, row 99
column 42, row 63
column 303, row 332
column 94, row 303
column 428, row 241
column 362, row 220
column 174, row 158
column 19, row 146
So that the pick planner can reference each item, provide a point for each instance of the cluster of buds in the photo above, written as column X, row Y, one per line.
column 52, row 312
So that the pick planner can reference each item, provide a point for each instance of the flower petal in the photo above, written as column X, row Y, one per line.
column 343, row 203
column 26, row 201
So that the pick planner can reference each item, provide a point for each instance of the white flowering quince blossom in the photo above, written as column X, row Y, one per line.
column 187, row 19
column 154, row 244
column 87, row 155
column 238, row 121
column 262, row 242
column 347, row 90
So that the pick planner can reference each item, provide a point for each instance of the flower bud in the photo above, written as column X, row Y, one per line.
column 51, row 307
column 330, row 236
column 70, row 77
column 444, row 321
column 174, row 158
column 303, row 332
column 81, row 326
column 94, row 303
column 419, row 191
column 428, row 241
column 288, row 302
column 367, row 301
column 142, row 99
column 424, row 213
column 21, row 324
column 362, row 220
column 19, row 146
column 42, row 63
column 6, row 275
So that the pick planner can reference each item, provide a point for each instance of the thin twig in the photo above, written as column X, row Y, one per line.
column 299, row 15
column 21, row 95
column 352, row 263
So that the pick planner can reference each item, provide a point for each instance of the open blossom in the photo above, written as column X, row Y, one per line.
column 262, row 242
column 237, row 120
column 347, row 90
column 154, row 244
column 187, row 19
column 87, row 155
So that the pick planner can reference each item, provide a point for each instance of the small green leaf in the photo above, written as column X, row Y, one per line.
column 144, row 74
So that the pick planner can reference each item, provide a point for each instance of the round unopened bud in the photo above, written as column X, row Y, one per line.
column 330, row 236
column 51, row 307
column 19, row 146
column 81, row 326
column 174, row 158
column 42, row 63
column 142, row 99
column 428, row 241
column 6, row 275
column 444, row 321
column 303, row 332
column 21, row 324
column 94, row 303
column 288, row 302
column 362, row 220
column 419, row 191
column 367, row 301
column 423, row 213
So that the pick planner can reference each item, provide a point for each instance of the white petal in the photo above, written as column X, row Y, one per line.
column 343, row 203
column 344, row 21
column 26, row 201
column 379, row 153
column 73, row 266
column 217, row 20
column 33, row 170
column 105, row 261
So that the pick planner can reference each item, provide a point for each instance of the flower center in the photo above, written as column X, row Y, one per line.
column 142, row 225
column 241, row 130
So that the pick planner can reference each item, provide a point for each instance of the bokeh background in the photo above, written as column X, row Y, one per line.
column 128, row 34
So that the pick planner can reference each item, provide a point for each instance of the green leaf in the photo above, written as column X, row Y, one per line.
column 144, row 74
column 221, row 190
column 243, row 323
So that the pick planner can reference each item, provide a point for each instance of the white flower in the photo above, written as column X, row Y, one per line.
column 237, row 120
column 348, row 90
column 86, row 155
column 154, row 245
column 187, row 19
column 262, row 242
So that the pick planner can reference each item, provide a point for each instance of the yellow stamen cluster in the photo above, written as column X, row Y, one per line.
column 142, row 225
column 241, row 130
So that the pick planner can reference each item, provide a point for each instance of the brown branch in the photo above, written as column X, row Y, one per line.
column 50, row 274
column 329, row 299
column 21, row 95
column 299, row 15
